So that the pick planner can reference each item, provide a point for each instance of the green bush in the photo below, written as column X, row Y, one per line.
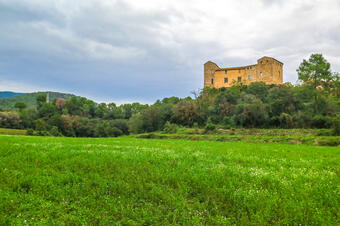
column 336, row 127
column 334, row 141
column 209, row 128
column 116, row 132
column 43, row 133
column 170, row 128
column 55, row 132
column 228, row 122
column 122, row 125
column 286, row 120
column 29, row 132
column 320, row 121
column 324, row 132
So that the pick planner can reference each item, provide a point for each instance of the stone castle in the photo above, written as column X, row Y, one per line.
column 267, row 70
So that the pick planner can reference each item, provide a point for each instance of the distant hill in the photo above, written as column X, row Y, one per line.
column 30, row 99
column 8, row 94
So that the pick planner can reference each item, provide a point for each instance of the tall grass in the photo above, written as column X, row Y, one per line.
column 12, row 131
column 46, row 180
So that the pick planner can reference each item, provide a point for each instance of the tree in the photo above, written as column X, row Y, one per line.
column 73, row 106
column 60, row 103
column 315, row 72
column 101, row 110
column 47, row 110
column 41, row 99
column 20, row 106
column 258, row 89
column 281, row 99
column 251, row 112
column 135, row 123
column 185, row 113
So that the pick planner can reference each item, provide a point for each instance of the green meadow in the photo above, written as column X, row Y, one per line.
column 129, row 181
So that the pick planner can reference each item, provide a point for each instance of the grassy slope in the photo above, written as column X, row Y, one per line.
column 138, row 181
column 30, row 99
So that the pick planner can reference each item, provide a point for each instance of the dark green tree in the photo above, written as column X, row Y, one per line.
column 20, row 106
column 41, row 99
column 315, row 72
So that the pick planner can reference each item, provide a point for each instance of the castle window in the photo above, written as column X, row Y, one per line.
column 261, row 62
column 249, row 77
column 225, row 80
column 212, row 81
column 239, row 79
column 212, row 72
column 267, row 61
column 261, row 74
column 226, row 71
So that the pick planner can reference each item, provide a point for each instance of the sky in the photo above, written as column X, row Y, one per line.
column 126, row 50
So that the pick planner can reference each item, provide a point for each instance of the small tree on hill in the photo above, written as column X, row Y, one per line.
column 315, row 72
column 41, row 99
column 20, row 106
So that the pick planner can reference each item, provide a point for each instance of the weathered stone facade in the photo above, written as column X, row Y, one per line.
column 267, row 69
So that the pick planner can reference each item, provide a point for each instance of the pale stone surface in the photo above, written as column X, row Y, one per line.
column 267, row 70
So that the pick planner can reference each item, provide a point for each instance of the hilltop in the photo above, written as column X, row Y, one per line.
column 8, row 94
column 28, row 98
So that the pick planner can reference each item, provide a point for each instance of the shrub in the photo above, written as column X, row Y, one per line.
column 40, row 125
column 325, row 132
column 185, row 113
column 10, row 120
column 43, row 133
column 228, row 122
column 122, row 125
column 170, row 128
column 135, row 124
column 336, row 127
column 286, row 120
column 29, row 132
column 115, row 132
column 320, row 121
column 55, row 132
column 209, row 128
column 333, row 141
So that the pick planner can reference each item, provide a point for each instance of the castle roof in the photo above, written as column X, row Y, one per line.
column 244, row 67
column 271, row 58
column 235, row 68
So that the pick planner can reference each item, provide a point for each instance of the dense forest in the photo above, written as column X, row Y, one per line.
column 313, row 103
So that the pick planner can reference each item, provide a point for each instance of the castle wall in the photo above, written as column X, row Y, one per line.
column 266, row 70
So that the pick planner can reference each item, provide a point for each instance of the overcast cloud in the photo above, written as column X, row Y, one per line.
column 124, row 51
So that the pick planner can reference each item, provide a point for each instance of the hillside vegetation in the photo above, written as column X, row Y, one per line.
column 30, row 99
column 8, row 94
column 158, row 182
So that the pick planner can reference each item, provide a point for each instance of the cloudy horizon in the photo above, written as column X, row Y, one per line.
column 126, row 51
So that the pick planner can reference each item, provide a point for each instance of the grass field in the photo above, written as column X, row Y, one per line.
column 46, row 180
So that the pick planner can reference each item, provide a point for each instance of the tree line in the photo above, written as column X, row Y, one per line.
column 313, row 103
